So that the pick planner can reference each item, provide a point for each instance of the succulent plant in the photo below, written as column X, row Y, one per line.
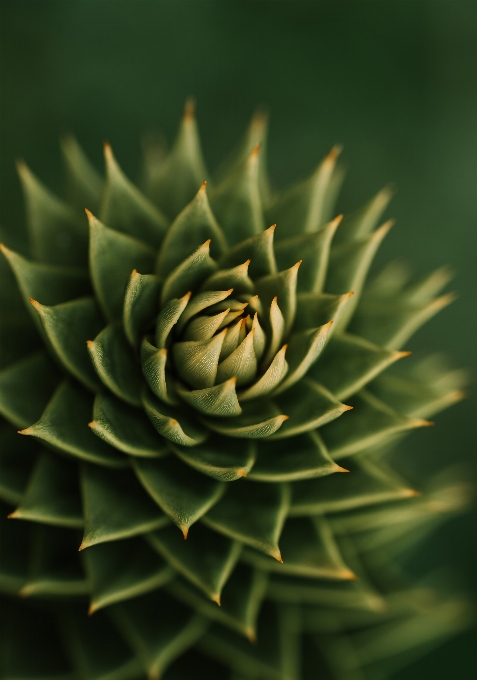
column 182, row 369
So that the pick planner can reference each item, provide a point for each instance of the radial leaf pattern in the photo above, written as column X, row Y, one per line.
column 192, row 365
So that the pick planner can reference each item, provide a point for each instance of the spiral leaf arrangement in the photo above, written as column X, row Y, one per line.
column 180, row 369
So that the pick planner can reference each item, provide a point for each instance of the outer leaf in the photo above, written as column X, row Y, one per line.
column 26, row 387
column 122, row 570
column 57, row 235
column 308, row 405
column 115, row 364
column 283, row 286
column 125, row 428
column 189, row 274
column 67, row 327
column 302, row 457
column 135, row 513
column 182, row 493
column 256, row 422
column 315, row 309
column 258, row 249
column 52, row 495
column 112, row 258
column 360, row 223
column 63, row 425
column 173, row 424
column 125, row 209
column 208, row 569
column 220, row 400
column 194, row 225
column 140, row 305
column 267, row 507
column 220, row 458
column 168, row 317
column 83, row 183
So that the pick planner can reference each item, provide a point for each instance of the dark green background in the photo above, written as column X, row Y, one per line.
column 394, row 81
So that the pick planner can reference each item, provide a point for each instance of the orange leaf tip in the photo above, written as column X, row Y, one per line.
column 242, row 472
column 401, row 355
column 185, row 531
column 272, row 228
column 348, row 575
column 26, row 430
column 203, row 186
column 189, row 108
column 411, row 493
column 347, row 407
column 35, row 304
column 216, row 599
column 277, row 555
column 338, row 468
column 92, row 609
column 173, row 422
column 82, row 546
column 14, row 515
column 252, row 636
column 334, row 153
column 255, row 151
column 90, row 343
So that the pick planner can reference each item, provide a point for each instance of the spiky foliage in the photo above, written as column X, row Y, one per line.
column 227, row 372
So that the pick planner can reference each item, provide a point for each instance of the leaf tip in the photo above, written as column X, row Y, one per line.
column 189, row 109
column 83, row 546
column 184, row 528
column 348, row 575
column 276, row 554
column 346, row 407
column 92, row 609
column 216, row 598
column 251, row 634
column 16, row 514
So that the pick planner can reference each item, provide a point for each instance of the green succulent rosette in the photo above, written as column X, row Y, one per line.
column 181, row 369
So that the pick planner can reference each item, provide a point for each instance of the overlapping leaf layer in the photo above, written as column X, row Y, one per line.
column 179, row 368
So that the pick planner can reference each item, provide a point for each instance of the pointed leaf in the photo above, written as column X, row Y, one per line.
column 303, row 207
column 241, row 364
column 125, row 428
column 308, row 406
column 57, row 235
column 68, row 326
column 204, row 327
column 26, row 387
column 125, row 209
column 302, row 457
column 208, row 569
column 197, row 361
column 317, row 309
column 174, row 424
column 153, row 363
column 209, row 300
column 258, row 249
column 283, row 286
column 220, row 400
column 219, row 458
column 64, row 425
column 275, row 332
column 182, row 493
column 52, row 495
column 257, row 421
column 189, row 274
column 360, row 223
column 371, row 423
column 123, row 569
column 115, row 364
column 83, row 183
column 350, row 362
column 140, row 305
column 234, row 335
column 194, row 225
column 112, row 258
column 261, row 525
column 168, row 317
column 314, row 250
column 134, row 511
column 236, row 201
column 236, row 278
column 269, row 380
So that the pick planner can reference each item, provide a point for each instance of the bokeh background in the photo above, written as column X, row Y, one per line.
column 394, row 81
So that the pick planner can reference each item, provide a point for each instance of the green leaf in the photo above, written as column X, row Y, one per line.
column 52, row 495
column 17, row 458
column 269, row 380
column 197, row 361
column 259, row 527
column 302, row 457
column 275, row 331
column 83, row 183
column 125, row 428
column 303, row 350
column 140, row 305
column 308, row 405
column 125, row 209
column 188, row 275
column 349, row 265
column 153, row 362
column 359, row 224
column 317, row 309
column 209, row 569
column 157, row 640
column 67, row 327
column 314, row 250
column 350, row 362
column 183, row 170
column 173, row 423
column 234, row 335
column 26, row 387
column 283, row 286
column 180, row 491
column 257, row 421
column 236, row 278
column 237, row 203
column 115, row 364
column 52, row 571
column 123, row 569
column 367, row 483
column 258, row 249
column 194, row 225
column 64, row 425
column 209, row 300
column 241, row 364
column 134, row 511
column 220, row 400
column 112, row 258
column 304, row 207
column 204, row 327
column 49, row 284
column 309, row 550
column 57, row 235
column 168, row 317
column 240, row 601
column 221, row 458
column 372, row 422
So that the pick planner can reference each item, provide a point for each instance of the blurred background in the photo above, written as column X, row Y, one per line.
column 395, row 82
